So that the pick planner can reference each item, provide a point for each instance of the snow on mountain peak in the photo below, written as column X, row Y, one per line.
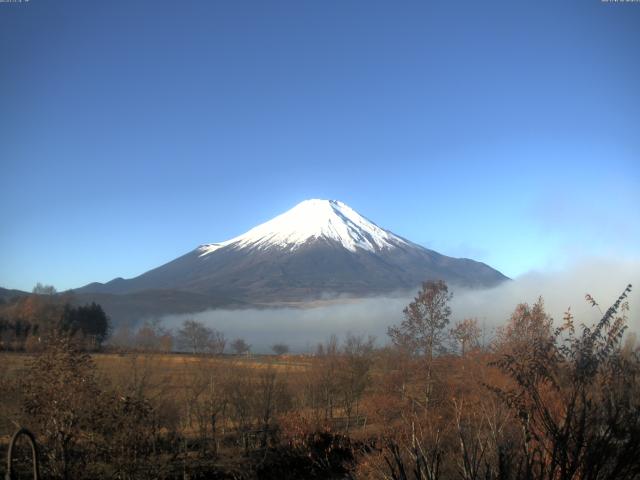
column 315, row 218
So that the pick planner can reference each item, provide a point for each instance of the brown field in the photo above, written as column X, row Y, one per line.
column 164, row 374
column 168, row 376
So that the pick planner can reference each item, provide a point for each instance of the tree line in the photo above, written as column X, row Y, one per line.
column 191, row 336
column 27, row 321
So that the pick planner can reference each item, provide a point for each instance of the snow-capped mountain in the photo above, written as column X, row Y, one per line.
column 311, row 220
column 318, row 247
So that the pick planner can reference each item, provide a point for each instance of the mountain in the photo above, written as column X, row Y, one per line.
column 318, row 248
column 7, row 294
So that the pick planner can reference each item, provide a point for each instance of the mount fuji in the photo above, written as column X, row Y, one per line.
column 318, row 247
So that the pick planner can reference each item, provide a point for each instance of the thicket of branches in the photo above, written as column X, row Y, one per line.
column 566, row 406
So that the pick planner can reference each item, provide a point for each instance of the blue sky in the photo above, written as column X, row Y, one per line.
column 131, row 132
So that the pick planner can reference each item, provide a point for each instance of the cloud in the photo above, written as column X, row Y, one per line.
column 604, row 279
column 303, row 328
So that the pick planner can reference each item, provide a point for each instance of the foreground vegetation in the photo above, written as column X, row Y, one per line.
column 543, row 401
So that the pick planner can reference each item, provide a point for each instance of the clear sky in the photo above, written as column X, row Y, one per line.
column 132, row 131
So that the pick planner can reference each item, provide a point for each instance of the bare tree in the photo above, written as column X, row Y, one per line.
column 146, row 338
column 239, row 392
column 422, row 331
column 271, row 397
column 206, row 399
column 323, row 387
column 198, row 338
column 217, row 342
column 122, row 337
column 240, row 346
column 280, row 348
column 354, row 374
column 152, row 336
column 466, row 334
column 41, row 289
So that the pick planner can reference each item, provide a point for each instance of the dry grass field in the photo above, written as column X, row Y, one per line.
column 350, row 411
column 161, row 374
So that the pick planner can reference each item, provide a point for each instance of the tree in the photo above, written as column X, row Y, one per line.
column 422, row 331
column 122, row 337
column 41, row 289
column 165, row 342
column 240, row 391
column 151, row 336
column 423, row 328
column 467, row 334
column 280, row 348
column 60, row 389
column 28, row 316
column 271, row 397
column 82, row 423
column 240, row 346
column 146, row 339
column 323, row 381
column 217, row 342
column 125, row 432
column 354, row 374
column 193, row 336
column 89, row 320
column 199, row 338
column 206, row 397
column 576, row 397
column 527, row 325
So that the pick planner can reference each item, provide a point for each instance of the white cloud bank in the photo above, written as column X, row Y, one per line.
column 303, row 328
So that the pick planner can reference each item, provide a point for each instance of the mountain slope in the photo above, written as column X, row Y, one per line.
column 318, row 247
column 8, row 294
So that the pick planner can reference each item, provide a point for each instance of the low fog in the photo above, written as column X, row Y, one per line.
column 303, row 328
